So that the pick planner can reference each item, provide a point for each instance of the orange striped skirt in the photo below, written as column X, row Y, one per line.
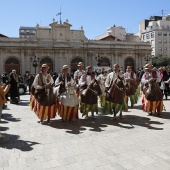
column 67, row 112
column 43, row 112
column 152, row 106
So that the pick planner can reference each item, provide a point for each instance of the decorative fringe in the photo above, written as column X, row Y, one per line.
column 67, row 112
column 153, row 106
column 85, row 108
column 124, row 105
column 102, row 100
column 133, row 98
column 43, row 112
column 138, row 91
column 111, row 107
column 32, row 102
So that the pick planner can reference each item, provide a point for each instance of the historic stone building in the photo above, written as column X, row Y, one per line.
column 57, row 45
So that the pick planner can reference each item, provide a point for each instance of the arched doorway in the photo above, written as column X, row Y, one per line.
column 12, row 63
column 49, row 62
column 74, row 64
column 129, row 62
column 105, row 62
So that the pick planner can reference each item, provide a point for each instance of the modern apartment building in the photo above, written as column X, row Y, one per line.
column 118, row 33
column 27, row 32
column 156, row 30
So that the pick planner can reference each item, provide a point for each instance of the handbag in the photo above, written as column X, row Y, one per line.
column 162, row 87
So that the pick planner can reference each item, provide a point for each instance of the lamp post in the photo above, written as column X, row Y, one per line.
column 147, row 58
column 35, row 61
column 99, row 60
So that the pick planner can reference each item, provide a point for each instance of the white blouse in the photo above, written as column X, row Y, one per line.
column 44, row 79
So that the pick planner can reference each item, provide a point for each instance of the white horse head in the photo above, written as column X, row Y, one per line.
column 102, row 86
column 56, row 90
column 69, row 98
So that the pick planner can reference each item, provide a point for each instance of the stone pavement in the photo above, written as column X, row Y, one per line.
column 139, row 142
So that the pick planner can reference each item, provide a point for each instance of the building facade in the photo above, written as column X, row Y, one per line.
column 58, row 45
column 156, row 31
column 27, row 32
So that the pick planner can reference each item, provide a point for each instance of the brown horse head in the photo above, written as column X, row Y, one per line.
column 152, row 91
column 45, row 99
column 131, row 87
column 116, row 93
column 89, row 95
column 96, row 87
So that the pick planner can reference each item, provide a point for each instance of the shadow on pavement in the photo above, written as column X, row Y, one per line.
column 12, row 141
column 102, row 121
column 3, row 128
column 165, row 115
column 141, row 121
column 24, row 103
column 9, row 117
column 78, row 126
column 138, row 107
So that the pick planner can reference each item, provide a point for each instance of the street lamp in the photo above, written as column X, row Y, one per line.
column 35, row 61
column 147, row 58
column 99, row 60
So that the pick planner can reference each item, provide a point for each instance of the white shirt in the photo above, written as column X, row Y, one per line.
column 58, row 81
column 44, row 79
column 102, row 77
column 146, row 76
column 112, row 76
column 87, row 80
column 127, row 75
column 78, row 73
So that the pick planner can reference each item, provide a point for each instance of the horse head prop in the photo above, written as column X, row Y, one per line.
column 69, row 98
column 131, row 87
column 152, row 90
column 102, row 86
column 89, row 95
column 45, row 97
column 116, row 92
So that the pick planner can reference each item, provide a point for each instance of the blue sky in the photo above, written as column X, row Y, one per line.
column 94, row 15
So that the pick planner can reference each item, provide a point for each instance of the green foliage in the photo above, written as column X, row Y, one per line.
column 160, row 61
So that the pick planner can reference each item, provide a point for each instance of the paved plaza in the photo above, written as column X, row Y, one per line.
column 138, row 142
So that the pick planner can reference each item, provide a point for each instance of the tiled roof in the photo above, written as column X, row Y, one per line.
column 1, row 35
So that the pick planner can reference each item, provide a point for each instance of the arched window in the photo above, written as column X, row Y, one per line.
column 12, row 63
column 74, row 63
column 105, row 62
column 47, row 61
column 129, row 62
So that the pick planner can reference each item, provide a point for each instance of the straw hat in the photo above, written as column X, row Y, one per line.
column 148, row 66
column 88, row 67
column 80, row 64
column 115, row 65
column 129, row 66
column 65, row 67
column 44, row 66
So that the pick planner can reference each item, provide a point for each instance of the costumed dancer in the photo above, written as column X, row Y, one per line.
column 154, row 103
column 68, row 101
column 163, row 85
column 3, row 91
column 131, row 83
column 77, row 74
column 111, row 105
column 14, row 91
column 84, row 82
column 43, row 102
column 102, row 78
